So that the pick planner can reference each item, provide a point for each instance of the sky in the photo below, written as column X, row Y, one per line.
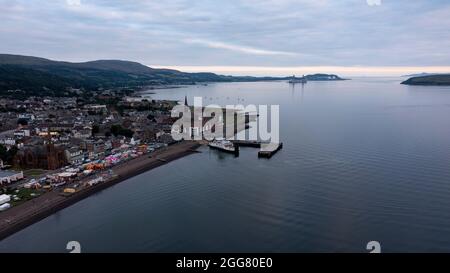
column 236, row 37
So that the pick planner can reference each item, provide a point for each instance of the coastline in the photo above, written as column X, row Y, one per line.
column 26, row 214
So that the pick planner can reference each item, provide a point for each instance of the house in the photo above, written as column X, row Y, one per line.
column 27, row 116
column 148, row 134
column 74, row 155
column 83, row 133
column 96, row 108
column 22, row 133
column 95, row 149
column 8, row 141
column 134, row 99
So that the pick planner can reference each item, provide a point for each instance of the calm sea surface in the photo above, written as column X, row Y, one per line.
column 363, row 160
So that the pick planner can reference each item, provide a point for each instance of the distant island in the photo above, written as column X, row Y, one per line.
column 23, row 76
column 324, row 77
column 430, row 80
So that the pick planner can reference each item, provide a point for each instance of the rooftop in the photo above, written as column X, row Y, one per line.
column 7, row 173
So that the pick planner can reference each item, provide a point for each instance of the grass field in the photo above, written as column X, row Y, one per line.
column 23, row 195
column 33, row 172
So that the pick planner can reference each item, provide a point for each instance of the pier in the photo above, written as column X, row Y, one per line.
column 247, row 143
column 269, row 149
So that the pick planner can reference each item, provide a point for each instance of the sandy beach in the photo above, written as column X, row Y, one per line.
column 48, row 203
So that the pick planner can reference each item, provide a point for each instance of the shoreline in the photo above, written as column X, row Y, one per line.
column 26, row 214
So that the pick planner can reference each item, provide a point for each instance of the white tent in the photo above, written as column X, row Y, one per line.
column 66, row 174
column 5, row 206
column 4, row 198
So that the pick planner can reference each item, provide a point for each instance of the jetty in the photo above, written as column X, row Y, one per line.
column 247, row 143
column 267, row 150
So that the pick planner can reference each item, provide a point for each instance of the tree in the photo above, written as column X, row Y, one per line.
column 8, row 155
column 118, row 130
column 126, row 133
column 22, row 121
column 95, row 129
column 11, row 154
column 115, row 129
column 3, row 152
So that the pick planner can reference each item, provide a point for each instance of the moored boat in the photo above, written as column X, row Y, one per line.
column 224, row 145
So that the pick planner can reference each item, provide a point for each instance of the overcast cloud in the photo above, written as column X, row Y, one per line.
column 231, row 33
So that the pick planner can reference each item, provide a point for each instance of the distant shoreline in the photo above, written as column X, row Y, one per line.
column 26, row 214
column 43, row 77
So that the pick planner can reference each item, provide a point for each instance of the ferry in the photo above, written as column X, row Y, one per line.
column 295, row 80
column 223, row 145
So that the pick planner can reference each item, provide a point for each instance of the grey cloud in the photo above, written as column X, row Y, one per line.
column 244, row 32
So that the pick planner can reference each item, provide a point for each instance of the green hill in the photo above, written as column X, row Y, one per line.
column 39, row 76
column 26, row 75
column 33, row 75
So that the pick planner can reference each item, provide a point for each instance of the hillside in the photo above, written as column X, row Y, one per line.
column 33, row 75
column 31, row 81
column 27, row 76
column 103, row 73
column 438, row 80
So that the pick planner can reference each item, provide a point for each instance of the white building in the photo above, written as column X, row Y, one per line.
column 22, row 133
column 8, row 141
column 96, row 107
column 5, row 206
column 7, row 177
column 135, row 99
column 27, row 116
column 4, row 198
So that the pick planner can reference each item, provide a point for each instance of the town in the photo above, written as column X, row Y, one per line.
column 57, row 150
column 55, row 143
